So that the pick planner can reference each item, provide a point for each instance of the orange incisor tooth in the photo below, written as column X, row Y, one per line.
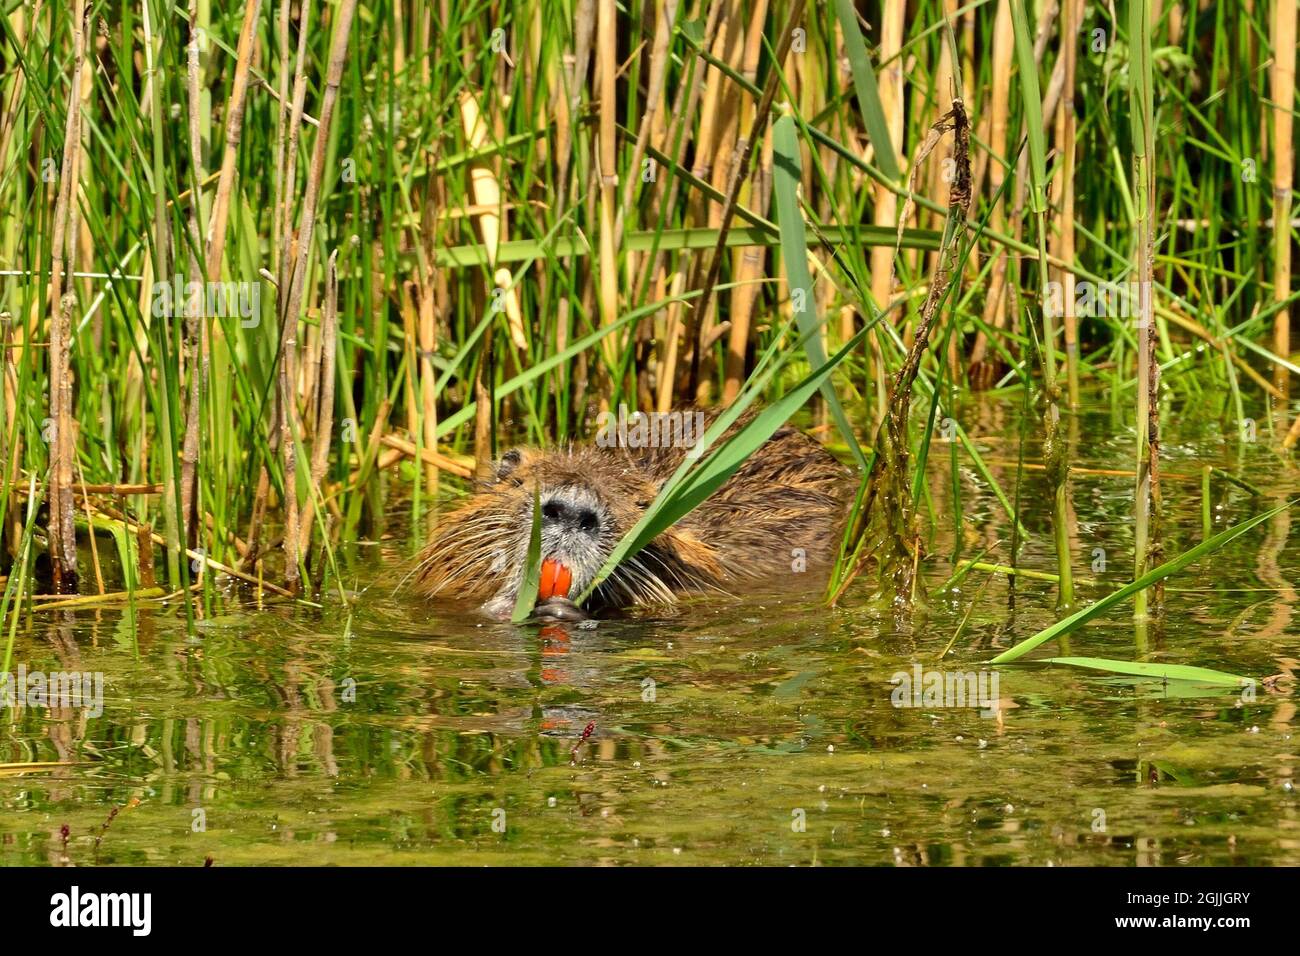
column 546, row 586
column 555, row 581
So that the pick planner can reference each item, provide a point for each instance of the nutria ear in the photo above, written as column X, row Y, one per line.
column 505, row 466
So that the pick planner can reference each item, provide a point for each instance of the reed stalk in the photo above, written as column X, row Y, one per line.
column 1056, row 455
column 1142, row 123
column 1282, row 90
column 62, row 534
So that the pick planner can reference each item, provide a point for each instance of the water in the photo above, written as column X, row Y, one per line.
column 755, row 733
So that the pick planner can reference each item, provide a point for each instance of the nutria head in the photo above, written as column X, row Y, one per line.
column 590, row 498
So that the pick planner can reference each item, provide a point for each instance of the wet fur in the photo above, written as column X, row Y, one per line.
column 790, row 494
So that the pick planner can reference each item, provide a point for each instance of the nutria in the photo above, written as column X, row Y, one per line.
column 774, row 523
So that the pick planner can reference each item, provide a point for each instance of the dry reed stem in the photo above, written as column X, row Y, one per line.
column 1282, row 91
column 428, row 455
column 10, row 332
column 688, row 97
column 292, row 303
column 491, row 221
column 1065, row 144
column 234, row 131
column 666, row 17
column 999, row 122
column 739, row 174
column 145, row 534
column 196, row 329
column 94, row 547
column 289, row 174
column 606, row 164
column 890, row 82
column 62, row 538
column 324, row 419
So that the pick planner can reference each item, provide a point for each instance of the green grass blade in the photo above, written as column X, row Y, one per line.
column 18, row 574
column 1167, row 672
column 1079, row 618
column 864, row 84
column 1033, row 102
column 680, row 496
column 527, row 596
column 794, row 249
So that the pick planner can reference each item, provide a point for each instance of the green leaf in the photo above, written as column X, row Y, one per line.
column 1033, row 103
column 864, row 84
column 1200, row 675
column 691, row 486
column 1082, row 617
column 794, row 249
column 527, row 596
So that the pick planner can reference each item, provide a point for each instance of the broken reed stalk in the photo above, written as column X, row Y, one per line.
column 147, row 538
column 292, row 301
column 882, row 530
column 62, row 538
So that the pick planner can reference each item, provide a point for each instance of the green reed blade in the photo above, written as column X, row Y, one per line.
column 676, row 500
column 864, row 84
column 527, row 596
column 794, row 249
column 1079, row 618
column 1165, row 672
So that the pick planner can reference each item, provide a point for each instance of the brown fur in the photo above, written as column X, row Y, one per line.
column 790, row 494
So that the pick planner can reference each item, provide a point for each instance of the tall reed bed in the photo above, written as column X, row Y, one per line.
column 269, row 273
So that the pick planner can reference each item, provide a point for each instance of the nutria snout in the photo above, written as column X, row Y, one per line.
column 559, row 609
column 773, row 525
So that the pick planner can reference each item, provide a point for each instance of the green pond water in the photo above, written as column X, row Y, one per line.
column 760, row 732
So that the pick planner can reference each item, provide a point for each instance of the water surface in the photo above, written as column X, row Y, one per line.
column 755, row 733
